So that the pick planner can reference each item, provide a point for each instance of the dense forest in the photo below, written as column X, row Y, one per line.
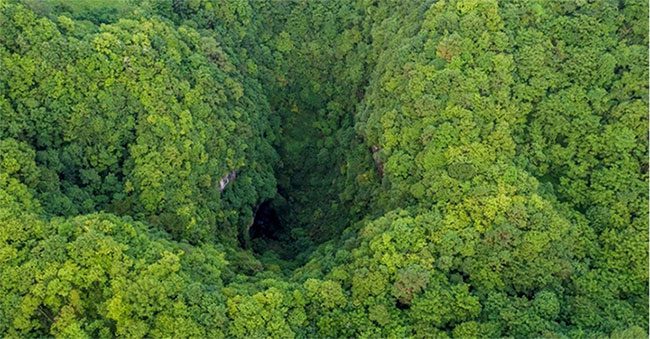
column 324, row 169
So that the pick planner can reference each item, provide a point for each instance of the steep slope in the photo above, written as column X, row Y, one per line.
column 137, row 118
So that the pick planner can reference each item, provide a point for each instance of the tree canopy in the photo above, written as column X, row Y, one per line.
column 207, row 168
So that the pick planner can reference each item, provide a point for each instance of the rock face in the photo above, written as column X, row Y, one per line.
column 378, row 163
column 225, row 180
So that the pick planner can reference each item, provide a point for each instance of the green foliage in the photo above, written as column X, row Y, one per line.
column 459, row 168
column 136, row 120
column 99, row 275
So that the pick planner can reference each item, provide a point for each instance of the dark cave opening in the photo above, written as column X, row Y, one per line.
column 271, row 235
column 266, row 223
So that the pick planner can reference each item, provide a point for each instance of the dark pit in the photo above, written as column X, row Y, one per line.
column 266, row 224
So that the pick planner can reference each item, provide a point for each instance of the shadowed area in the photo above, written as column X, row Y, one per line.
column 266, row 224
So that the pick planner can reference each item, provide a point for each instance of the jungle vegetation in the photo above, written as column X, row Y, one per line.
column 324, row 169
